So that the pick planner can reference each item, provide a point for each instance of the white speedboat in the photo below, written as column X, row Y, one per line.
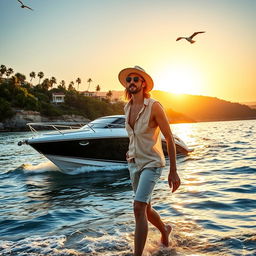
column 102, row 142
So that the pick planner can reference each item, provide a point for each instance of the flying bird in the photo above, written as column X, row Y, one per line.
column 189, row 39
column 24, row 6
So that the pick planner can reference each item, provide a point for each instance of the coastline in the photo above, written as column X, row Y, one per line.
column 18, row 123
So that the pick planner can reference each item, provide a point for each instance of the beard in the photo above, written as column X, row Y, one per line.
column 133, row 89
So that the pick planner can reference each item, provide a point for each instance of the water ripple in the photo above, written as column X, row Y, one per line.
column 45, row 212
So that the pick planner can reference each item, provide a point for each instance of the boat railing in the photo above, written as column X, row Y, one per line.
column 53, row 126
column 62, row 128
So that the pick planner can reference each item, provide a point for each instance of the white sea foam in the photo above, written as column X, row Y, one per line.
column 89, row 169
column 31, row 246
column 183, row 240
column 107, row 245
column 50, row 167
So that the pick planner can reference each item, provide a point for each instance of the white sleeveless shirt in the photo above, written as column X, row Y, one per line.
column 145, row 143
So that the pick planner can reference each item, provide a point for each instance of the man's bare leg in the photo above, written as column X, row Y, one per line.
column 155, row 219
column 141, row 229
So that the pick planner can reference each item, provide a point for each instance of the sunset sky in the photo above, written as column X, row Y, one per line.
column 97, row 38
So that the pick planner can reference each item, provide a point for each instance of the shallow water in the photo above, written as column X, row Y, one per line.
column 45, row 212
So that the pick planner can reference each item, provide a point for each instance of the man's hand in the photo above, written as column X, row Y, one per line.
column 173, row 180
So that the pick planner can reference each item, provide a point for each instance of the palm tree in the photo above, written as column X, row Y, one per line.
column 46, row 84
column 53, row 81
column 71, row 86
column 40, row 75
column 109, row 94
column 97, row 89
column 78, row 80
column 62, row 85
column 2, row 70
column 89, row 82
column 9, row 71
column 32, row 75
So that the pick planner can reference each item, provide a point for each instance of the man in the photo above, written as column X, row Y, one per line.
column 145, row 118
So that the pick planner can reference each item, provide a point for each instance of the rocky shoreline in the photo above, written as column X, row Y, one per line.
column 19, row 121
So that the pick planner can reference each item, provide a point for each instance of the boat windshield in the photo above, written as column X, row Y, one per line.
column 107, row 122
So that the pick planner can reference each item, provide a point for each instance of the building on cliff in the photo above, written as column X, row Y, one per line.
column 58, row 97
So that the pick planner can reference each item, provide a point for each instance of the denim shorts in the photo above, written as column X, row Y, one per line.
column 144, row 181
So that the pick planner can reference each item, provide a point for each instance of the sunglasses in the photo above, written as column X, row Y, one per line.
column 135, row 79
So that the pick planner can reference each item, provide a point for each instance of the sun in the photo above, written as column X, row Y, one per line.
column 180, row 79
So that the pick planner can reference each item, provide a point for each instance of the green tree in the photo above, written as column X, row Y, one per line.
column 9, row 71
column 14, row 81
column 5, row 109
column 50, row 110
column 62, row 85
column 21, row 78
column 78, row 80
column 7, row 90
column 32, row 76
column 23, row 99
column 46, row 84
column 97, row 88
column 40, row 75
column 89, row 83
column 2, row 70
column 53, row 81
column 71, row 86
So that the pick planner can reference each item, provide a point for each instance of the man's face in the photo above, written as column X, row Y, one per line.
column 134, row 83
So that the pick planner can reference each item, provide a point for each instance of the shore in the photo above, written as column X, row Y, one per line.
column 19, row 121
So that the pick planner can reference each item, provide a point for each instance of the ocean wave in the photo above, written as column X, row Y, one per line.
column 90, row 169
column 49, row 167
column 53, row 245
column 46, row 212
column 186, row 237
column 250, row 189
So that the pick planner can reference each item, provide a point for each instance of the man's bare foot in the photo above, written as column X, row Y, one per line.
column 165, row 237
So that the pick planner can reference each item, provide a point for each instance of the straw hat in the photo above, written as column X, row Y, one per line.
column 137, row 70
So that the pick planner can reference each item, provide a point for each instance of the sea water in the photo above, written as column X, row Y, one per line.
column 46, row 212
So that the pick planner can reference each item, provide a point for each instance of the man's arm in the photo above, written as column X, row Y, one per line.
column 161, row 119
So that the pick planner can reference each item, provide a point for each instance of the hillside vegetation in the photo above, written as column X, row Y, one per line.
column 20, row 94
column 17, row 93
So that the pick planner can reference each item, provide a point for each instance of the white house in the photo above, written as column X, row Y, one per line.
column 89, row 94
column 58, row 97
column 116, row 95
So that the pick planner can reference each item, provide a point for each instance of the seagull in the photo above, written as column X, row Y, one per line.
column 189, row 39
column 25, row 6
